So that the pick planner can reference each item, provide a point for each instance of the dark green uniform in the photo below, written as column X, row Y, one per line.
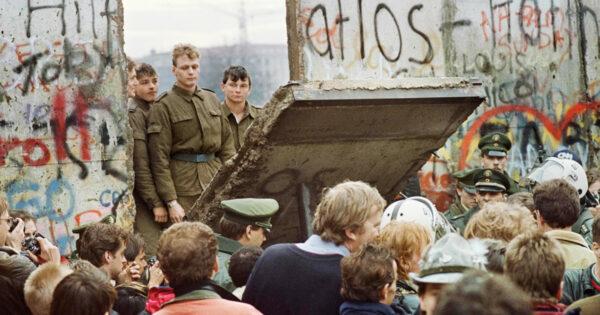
column 456, row 215
column 497, row 145
column 226, row 248
column 189, row 140
column 144, row 192
column 238, row 129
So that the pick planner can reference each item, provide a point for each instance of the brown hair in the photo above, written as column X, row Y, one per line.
column 234, row 230
column 535, row 263
column 99, row 238
column 80, row 294
column 522, row 198
column 596, row 230
column 40, row 286
column 130, row 64
column 241, row 264
column 478, row 292
column 366, row 272
column 593, row 175
column 187, row 253
column 501, row 221
column 403, row 240
column 135, row 245
column 347, row 205
column 144, row 70
column 236, row 73
column 25, row 216
column 558, row 203
column 184, row 50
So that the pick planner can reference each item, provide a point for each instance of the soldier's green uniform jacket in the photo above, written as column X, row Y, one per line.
column 227, row 247
column 239, row 129
column 144, row 184
column 497, row 145
column 455, row 215
column 183, row 126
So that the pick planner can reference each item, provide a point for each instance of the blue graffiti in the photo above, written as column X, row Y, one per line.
column 108, row 198
column 17, row 191
column 32, row 205
column 57, row 187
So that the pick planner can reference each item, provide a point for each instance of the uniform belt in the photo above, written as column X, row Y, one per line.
column 196, row 158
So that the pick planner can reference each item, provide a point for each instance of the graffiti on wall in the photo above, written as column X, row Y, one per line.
column 538, row 60
column 63, row 120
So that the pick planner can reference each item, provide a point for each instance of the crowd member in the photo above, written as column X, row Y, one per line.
column 500, row 221
column 129, row 301
column 135, row 256
column 240, row 266
column 236, row 86
column 131, row 78
column 245, row 222
column 481, row 293
column 184, row 162
column 305, row 278
column 40, row 286
column 522, row 198
column 535, row 263
column 406, row 241
column 443, row 264
column 187, row 253
column 494, row 149
column 103, row 245
column 465, row 199
column 82, row 294
column 557, row 209
column 14, row 270
column 496, row 252
column 10, row 241
column 151, row 215
column 593, row 175
column 368, row 281
column 583, row 283
column 30, row 228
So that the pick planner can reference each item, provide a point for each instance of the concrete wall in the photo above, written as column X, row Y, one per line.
column 63, row 117
column 538, row 59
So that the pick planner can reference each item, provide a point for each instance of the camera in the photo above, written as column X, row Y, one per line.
column 31, row 244
column 151, row 261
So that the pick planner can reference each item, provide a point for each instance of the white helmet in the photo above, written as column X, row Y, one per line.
column 569, row 170
column 417, row 210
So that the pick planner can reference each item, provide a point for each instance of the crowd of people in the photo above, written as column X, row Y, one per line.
column 503, row 247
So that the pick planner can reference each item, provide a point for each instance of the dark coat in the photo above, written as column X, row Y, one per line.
column 365, row 308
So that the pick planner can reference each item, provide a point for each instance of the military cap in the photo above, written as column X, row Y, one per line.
column 250, row 211
column 109, row 219
column 491, row 180
column 466, row 180
column 447, row 259
column 495, row 144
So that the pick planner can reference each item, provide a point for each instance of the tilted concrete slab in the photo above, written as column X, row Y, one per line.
column 314, row 135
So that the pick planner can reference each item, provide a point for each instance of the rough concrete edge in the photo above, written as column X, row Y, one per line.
column 295, row 41
column 206, row 208
column 400, row 83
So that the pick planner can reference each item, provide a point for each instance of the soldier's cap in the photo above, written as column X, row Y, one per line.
column 490, row 180
column 495, row 144
column 567, row 155
column 109, row 219
column 250, row 211
column 447, row 259
column 466, row 180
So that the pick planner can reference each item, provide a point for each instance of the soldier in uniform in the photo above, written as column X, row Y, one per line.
column 236, row 86
column 465, row 199
column 246, row 222
column 151, row 214
column 189, row 138
column 494, row 149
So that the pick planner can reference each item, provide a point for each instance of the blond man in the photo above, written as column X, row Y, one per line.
column 500, row 221
column 305, row 278
column 40, row 286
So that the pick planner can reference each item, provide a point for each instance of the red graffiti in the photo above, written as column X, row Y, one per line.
column 59, row 117
column 28, row 146
column 78, row 216
column 554, row 129
column 435, row 183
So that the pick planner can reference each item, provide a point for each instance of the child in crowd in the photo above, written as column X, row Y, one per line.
column 240, row 267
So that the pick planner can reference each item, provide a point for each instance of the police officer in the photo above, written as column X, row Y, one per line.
column 494, row 149
column 189, row 139
column 245, row 222
column 236, row 86
column 465, row 199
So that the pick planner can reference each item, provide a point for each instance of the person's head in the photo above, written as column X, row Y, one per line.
column 534, row 262
column 236, row 85
column 501, row 221
column 14, row 271
column 522, row 198
column 135, row 250
column 241, row 264
column 556, row 204
column 30, row 227
column 103, row 245
column 40, row 285
column 129, row 301
column 84, row 266
column 593, row 176
column 491, row 185
column 496, row 251
column 349, row 213
column 467, row 198
column 596, row 239
column 131, row 78
column 406, row 242
column 369, row 275
column 494, row 148
column 482, row 293
column 147, row 82
column 187, row 253
column 465, row 187
column 5, row 221
column 186, row 66
column 247, row 220
column 79, row 293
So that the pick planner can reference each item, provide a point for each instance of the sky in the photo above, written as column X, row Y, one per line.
column 160, row 24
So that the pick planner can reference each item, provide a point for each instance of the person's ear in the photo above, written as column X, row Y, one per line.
column 350, row 234
column 108, row 257
column 385, row 291
column 173, row 68
column 222, row 85
column 216, row 265
column 249, row 231
column 505, row 196
column 560, row 290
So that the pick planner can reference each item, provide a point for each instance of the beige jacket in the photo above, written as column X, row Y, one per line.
column 577, row 254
